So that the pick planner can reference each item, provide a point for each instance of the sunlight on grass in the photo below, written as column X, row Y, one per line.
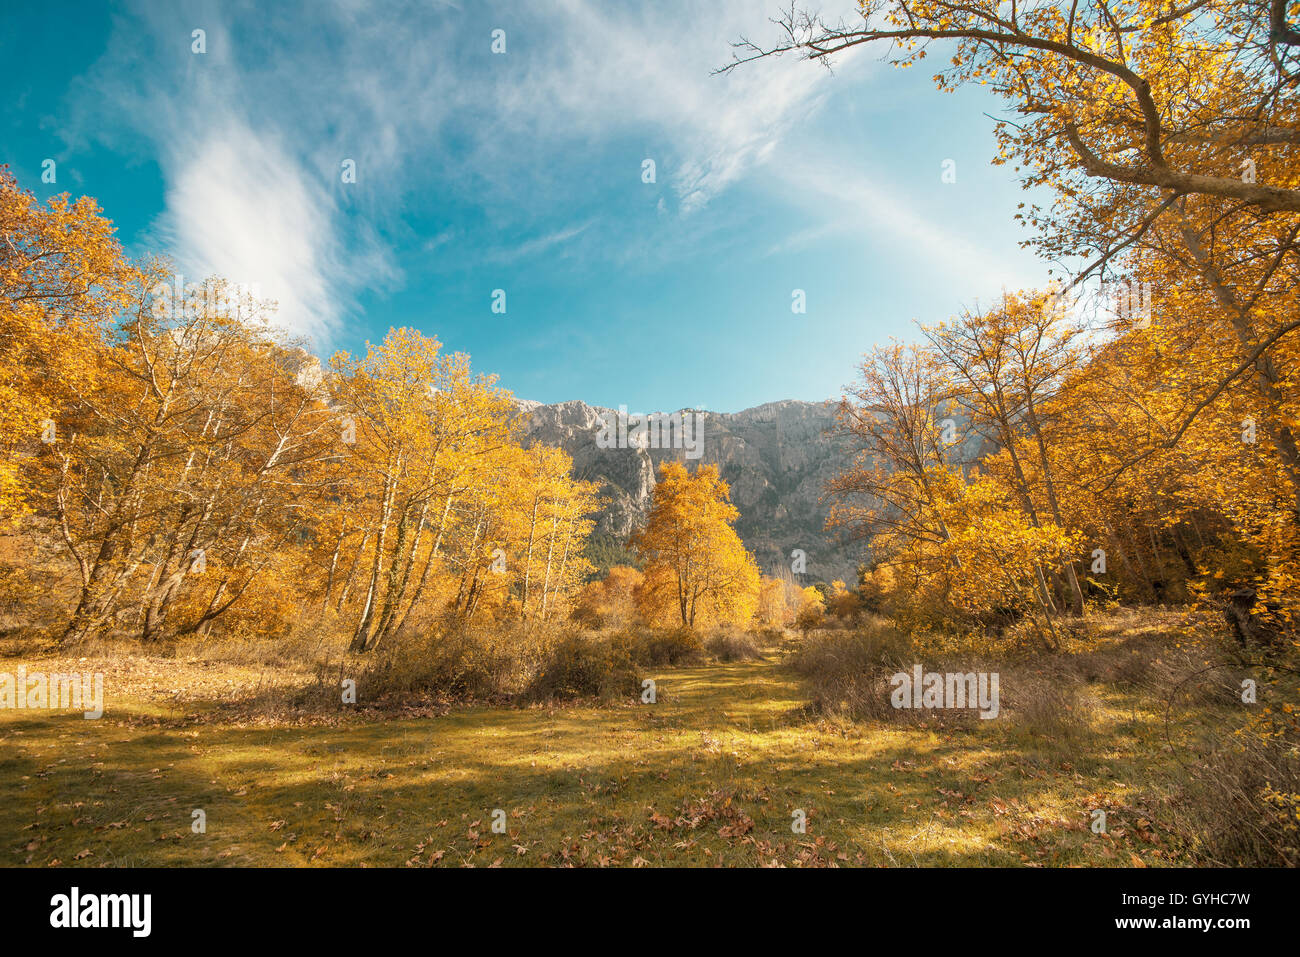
column 714, row 773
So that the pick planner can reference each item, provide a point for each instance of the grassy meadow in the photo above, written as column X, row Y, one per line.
column 710, row 774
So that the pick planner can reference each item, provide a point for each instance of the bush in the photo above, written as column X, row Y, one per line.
column 588, row 617
column 732, row 645
column 1241, row 805
column 456, row 662
column 581, row 667
column 662, row 647
column 533, row 662
column 848, row 673
column 769, row 635
column 1048, row 704
column 809, row 618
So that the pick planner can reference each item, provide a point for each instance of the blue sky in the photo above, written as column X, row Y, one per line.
column 522, row 171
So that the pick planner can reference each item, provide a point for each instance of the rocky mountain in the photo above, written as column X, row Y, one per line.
column 777, row 458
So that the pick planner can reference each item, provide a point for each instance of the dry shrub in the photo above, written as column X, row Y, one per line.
column 660, row 647
column 1048, row 702
column 769, row 636
column 38, row 586
column 313, row 638
column 581, row 667
column 500, row 662
column 457, row 662
column 1133, row 667
column 847, row 673
column 20, row 591
column 809, row 618
column 1241, row 806
column 1240, row 803
column 731, row 644
column 1020, row 636
column 588, row 617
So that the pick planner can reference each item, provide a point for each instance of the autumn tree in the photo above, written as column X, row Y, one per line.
column 187, row 461
column 697, row 569
column 428, row 441
column 611, row 598
column 962, row 532
column 1167, row 138
column 63, row 281
column 200, row 469
column 895, row 417
column 778, row 600
column 811, row 611
column 1005, row 364
column 843, row 603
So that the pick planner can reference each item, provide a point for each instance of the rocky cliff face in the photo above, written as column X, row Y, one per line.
column 776, row 457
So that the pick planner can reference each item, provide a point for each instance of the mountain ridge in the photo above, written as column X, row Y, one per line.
column 776, row 456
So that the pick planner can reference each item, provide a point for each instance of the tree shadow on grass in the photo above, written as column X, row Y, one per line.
column 716, row 772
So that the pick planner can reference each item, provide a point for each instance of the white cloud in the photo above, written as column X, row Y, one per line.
column 541, row 244
column 251, row 185
column 239, row 205
column 652, row 71
column 249, row 140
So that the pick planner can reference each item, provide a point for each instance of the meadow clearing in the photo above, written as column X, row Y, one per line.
column 713, row 773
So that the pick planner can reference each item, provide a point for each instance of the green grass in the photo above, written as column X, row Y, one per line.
column 710, row 775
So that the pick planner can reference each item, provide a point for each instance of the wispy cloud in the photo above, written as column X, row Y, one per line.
column 250, row 135
column 243, row 198
column 860, row 202
column 651, row 69
column 240, row 205
column 541, row 244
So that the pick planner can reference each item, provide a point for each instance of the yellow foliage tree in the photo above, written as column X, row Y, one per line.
column 63, row 279
column 697, row 569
